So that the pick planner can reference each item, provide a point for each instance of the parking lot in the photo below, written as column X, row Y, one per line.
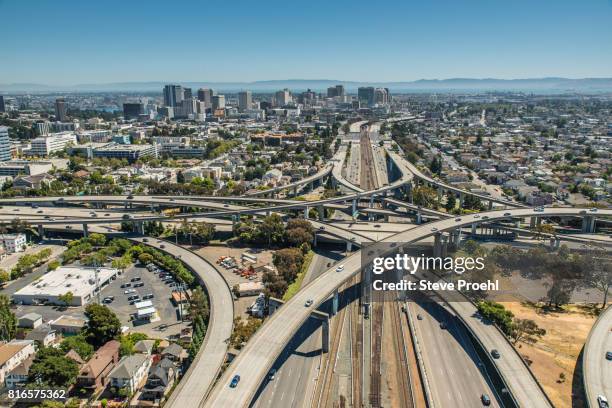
column 149, row 284
column 168, row 325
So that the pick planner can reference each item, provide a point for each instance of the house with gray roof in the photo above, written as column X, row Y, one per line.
column 130, row 372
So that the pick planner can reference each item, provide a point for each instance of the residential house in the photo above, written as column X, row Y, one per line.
column 94, row 374
column 44, row 336
column 144, row 347
column 130, row 372
column 19, row 375
column 160, row 379
column 175, row 353
column 14, row 353
column 31, row 182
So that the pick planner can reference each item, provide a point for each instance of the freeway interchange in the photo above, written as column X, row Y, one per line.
column 260, row 353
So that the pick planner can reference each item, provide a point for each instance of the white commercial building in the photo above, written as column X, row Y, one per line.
column 13, row 242
column 80, row 281
column 44, row 146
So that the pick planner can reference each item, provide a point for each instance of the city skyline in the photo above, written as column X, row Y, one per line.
column 90, row 43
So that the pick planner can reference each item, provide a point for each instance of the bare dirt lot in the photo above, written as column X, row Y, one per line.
column 558, row 351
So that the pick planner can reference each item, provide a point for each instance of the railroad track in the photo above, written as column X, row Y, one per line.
column 325, row 398
column 404, row 379
column 376, row 353
column 356, row 355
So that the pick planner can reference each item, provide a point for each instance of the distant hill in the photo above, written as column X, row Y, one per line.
column 535, row 85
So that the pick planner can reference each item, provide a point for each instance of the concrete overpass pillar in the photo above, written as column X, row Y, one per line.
column 437, row 249
column 354, row 206
column 349, row 246
column 306, row 210
column 314, row 243
column 372, row 201
column 461, row 199
column 490, row 205
column 295, row 191
column 41, row 231
column 588, row 224
column 419, row 218
column 139, row 227
column 335, row 300
column 325, row 336
column 532, row 222
column 321, row 213
column 85, row 231
column 474, row 229
column 440, row 192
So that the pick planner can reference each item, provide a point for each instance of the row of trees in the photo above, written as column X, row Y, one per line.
column 25, row 265
column 272, row 232
column 518, row 329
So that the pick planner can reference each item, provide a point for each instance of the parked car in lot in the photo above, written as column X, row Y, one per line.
column 127, row 292
column 136, row 279
column 126, row 285
column 139, row 285
column 148, row 296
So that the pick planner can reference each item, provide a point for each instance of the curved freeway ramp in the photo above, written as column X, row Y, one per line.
column 596, row 370
column 204, row 370
column 256, row 359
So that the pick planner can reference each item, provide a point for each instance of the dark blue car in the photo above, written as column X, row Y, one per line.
column 235, row 381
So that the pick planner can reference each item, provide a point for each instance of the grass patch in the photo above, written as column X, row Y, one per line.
column 297, row 283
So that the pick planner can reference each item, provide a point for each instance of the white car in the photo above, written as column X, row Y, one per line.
column 127, row 292
column 308, row 303
column 602, row 401
column 340, row 268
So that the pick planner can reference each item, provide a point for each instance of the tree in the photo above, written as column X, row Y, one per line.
column 78, row 344
column 271, row 229
column 598, row 273
column 96, row 239
column 66, row 298
column 425, row 196
column 198, row 305
column 53, row 265
column 299, row 231
column 4, row 276
column 102, row 326
column 436, row 165
column 8, row 321
column 451, row 202
column 560, row 292
column 145, row 258
column 496, row 313
column 526, row 330
column 51, row 368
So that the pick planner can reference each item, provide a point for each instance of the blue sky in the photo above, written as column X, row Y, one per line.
column 64, row 42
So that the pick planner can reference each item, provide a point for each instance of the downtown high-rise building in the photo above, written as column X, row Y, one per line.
column 283, row 97
column 133, row 110
column 187, row 94
column 245, row 100
column 218, row 102
column 336, row 91
column 173, row 95
column 205, row 95
column 5, row 144
column 365, row 95
column 2, row 105
column 60, row 110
